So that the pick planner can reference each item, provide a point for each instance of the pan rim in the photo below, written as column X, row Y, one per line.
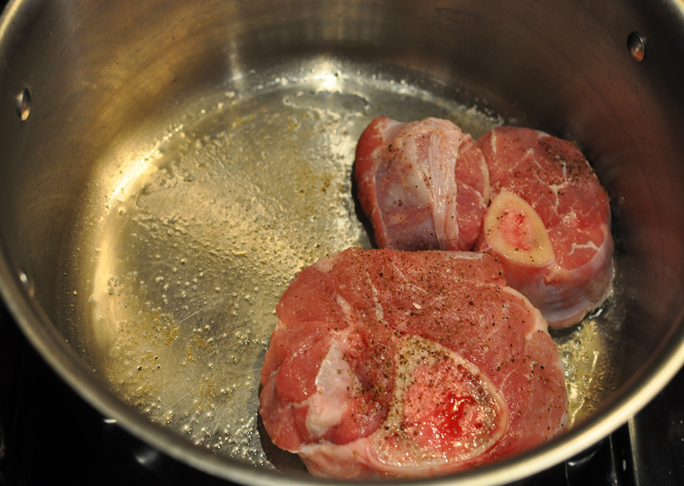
column 664, row 363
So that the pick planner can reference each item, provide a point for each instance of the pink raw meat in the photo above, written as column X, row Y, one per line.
column 408, row 364
column 423, row 184
column 555, row 179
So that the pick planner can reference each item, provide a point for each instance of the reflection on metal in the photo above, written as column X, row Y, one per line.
column 636, row 46
column 194, row 242
column 24, row 104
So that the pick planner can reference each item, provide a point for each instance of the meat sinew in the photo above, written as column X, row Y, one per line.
column 408, row 364
column 423, row 184
column 549, row 222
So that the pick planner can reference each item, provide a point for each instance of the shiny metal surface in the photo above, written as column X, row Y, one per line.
column 192, row 245
column 176, row 163
column 637, row 46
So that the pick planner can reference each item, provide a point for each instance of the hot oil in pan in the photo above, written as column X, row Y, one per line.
column 198, row 240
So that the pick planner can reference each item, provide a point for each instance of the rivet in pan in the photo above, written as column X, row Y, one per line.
column 26, row 282
column 24, row 104
column 637, row 46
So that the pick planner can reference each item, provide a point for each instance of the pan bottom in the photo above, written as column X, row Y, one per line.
column 189, row 245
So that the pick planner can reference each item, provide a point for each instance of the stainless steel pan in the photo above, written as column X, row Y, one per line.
column 168, row 166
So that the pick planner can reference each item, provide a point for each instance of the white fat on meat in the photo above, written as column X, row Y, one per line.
column 408, row 364
column 567, row 270
column 423, row 184
column 333, row 384
column 411, row 441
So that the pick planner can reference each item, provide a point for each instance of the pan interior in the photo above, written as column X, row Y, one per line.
column 193, row 230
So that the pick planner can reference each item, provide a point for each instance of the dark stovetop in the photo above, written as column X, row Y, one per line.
column 49, row 435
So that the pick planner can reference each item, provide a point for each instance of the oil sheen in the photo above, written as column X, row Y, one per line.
column 192, row 236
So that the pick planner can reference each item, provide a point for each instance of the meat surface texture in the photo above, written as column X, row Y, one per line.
column 555, row 179
column 408, row 364
column 423, row 184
